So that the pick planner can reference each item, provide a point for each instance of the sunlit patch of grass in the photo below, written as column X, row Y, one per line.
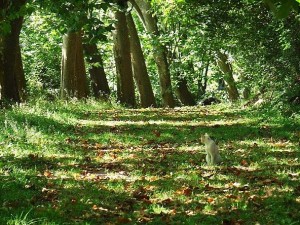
column 86, row 163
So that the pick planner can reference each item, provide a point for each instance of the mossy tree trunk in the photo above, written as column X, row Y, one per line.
column 73, row 76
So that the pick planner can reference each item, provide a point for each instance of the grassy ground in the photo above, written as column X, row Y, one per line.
column 90, row 164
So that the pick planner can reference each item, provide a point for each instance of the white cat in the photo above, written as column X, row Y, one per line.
column 212, row 151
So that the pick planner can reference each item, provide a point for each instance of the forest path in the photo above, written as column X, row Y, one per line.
column 137, row 166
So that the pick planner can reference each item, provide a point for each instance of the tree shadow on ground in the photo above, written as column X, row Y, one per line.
column 141, row 173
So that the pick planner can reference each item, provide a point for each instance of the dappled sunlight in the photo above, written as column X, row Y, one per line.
column 106, row 165
column 159, row 112
column 175, row 123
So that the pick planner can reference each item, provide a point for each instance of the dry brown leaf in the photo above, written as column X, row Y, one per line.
column 231, row 196
column 210, row 200
column 156, row 133
column 48, row 174
column 187, row 191
column 244, row 163
column 123, row 220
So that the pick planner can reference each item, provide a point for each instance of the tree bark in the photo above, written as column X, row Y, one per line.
column 143, row 7
column 73, row 76
column 140, row 72
column 19, row 71
column 202, row 81
column 226, row 69
column 13, row 80
column 183, row 93
column 125, row 84
column 99, row 81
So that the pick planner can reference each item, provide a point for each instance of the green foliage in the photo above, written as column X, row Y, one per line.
column 41, row 39
column 74, row 15
column 266, row 59
column 41, row 53
column 282, row 8
column 10, row 11
column 263, row 50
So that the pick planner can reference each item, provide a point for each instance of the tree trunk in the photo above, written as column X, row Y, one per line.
column 246, row 89
column 183, row 93
column 12, row 80
column 73, row 76
column 202, row 81
column 19, row 71
column 125, row 84
column 140, row 72
column 226, row 69
column 143, row 7
column 98, row 77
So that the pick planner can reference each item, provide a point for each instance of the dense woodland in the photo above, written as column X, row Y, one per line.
column 149, row 112
column 151, row 53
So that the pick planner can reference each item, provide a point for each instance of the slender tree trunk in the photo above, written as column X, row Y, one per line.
column 125, row 84
column 202, row 81
column 140, row 72
column 246, row 90
column 19, row 71
column 146, row 14
column 183, row 93
column 98, row 76
column 226, row 69
column 73, row 76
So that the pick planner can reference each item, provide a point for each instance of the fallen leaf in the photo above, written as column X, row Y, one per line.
column 48, row 174
column 185, row 191
column 157, row 133
column 210, row 200
column 122, row 220
column 140, row 194
column 244, row 163
column 231, row 196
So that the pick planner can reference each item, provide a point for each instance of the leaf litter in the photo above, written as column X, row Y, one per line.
column 161, row 177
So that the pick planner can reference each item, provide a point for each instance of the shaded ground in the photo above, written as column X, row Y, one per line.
column 97, row 166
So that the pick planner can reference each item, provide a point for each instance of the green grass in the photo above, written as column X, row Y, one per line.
column 93, row 163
